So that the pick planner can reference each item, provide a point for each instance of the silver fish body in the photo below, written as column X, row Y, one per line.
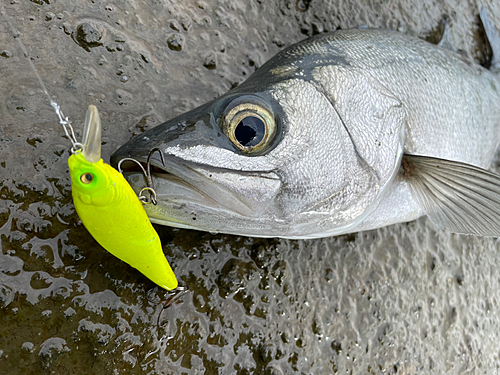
column 347, row 107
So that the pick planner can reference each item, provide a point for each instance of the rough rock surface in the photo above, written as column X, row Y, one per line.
column 404, row 299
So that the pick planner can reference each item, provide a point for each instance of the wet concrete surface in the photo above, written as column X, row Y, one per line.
column 405, row 299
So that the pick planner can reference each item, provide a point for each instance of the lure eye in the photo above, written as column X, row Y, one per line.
column 86, row 178
column 249, row 125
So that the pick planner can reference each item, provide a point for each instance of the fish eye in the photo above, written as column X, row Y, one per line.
column 249, row 125
column 86, row 178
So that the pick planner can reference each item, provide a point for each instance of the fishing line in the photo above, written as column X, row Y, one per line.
column 63, row 120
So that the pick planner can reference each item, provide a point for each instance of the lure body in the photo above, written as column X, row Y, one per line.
column 114, row 216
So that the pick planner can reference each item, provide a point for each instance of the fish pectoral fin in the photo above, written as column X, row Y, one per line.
column 459, row 197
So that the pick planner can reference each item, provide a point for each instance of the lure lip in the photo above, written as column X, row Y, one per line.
column 92, row 135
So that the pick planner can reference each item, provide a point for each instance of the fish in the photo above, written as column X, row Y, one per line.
column 347, row 131
column 111, row 211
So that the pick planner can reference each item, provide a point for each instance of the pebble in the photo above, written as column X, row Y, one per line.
column 88, row 34
column 175, row 42
column 210, row 61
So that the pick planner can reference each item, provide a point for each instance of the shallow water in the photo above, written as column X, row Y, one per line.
column 404, row 299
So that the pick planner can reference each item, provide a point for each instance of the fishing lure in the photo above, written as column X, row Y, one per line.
column 105, row 202
column 111, row 211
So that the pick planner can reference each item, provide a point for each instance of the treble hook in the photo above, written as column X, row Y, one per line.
column 148, row 165
column 177, row 293
column 147, row 174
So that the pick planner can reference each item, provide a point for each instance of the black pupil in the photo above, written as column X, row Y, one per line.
column 88, row 177
column 250, row 131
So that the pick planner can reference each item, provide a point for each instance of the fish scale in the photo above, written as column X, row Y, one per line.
column 425, row 78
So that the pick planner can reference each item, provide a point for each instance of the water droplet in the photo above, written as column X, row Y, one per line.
column 174, row 25
column 6, row 54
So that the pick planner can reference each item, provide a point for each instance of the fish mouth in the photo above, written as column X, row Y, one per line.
column 159, row 177
column 184, row 190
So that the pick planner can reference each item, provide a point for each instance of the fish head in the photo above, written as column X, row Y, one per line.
column 271, row 158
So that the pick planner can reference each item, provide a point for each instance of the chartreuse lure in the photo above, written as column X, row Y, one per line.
column 111, row 210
